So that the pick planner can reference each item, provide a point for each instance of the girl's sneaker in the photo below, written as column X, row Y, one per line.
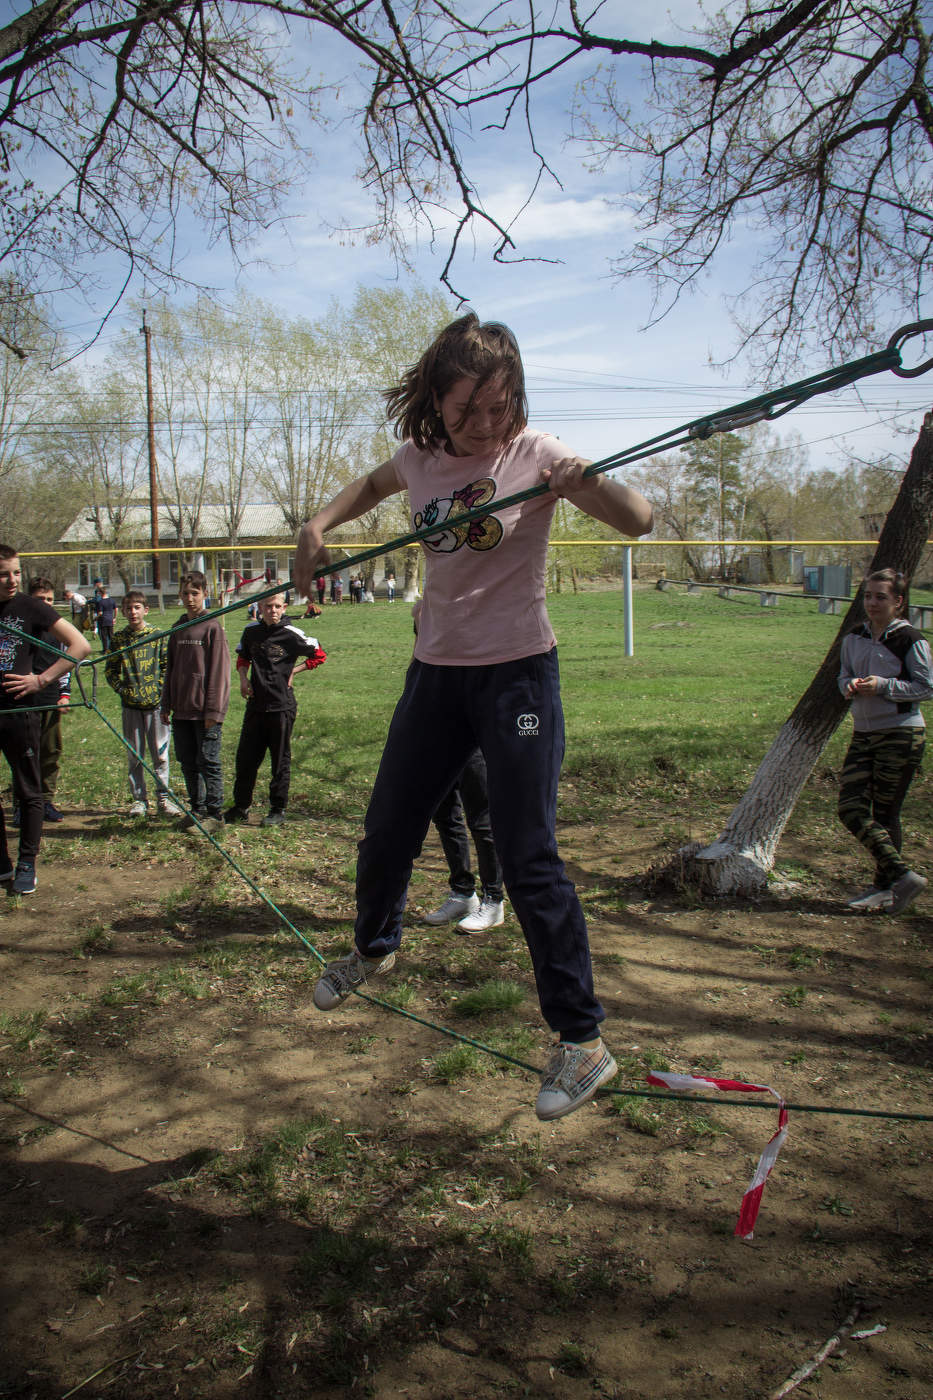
column 873, row 898
column 572, row 1077
column 905, row 890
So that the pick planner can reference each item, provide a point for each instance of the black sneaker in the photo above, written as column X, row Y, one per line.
column 52, row 814
column 24, row 881
column 236, row 814
column 274, row 817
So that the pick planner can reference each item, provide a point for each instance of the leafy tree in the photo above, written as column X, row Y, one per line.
column 99, row 447
column 714, row 468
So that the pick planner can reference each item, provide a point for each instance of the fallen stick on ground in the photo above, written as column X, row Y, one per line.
column 827, row 1349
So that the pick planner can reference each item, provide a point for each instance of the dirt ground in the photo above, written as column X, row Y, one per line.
column 426, row 1236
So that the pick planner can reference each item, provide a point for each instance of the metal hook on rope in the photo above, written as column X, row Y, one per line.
column 897, row 340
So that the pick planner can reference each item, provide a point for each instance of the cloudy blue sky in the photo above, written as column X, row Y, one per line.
column 599, row 376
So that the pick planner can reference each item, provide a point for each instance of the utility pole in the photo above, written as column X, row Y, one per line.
column 146, row 333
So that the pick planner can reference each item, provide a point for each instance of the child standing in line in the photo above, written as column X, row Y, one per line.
column 484, row 672
column 138, row 675
column 270, row 653
column 886, row 669
column 27, row 621
column 195, row 695
column 50, row 721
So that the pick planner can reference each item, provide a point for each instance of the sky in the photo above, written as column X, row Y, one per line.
column 599, row 376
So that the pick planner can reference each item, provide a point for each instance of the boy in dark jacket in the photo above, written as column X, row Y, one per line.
column 269, row 654
column 195, row 695
column 137, row 675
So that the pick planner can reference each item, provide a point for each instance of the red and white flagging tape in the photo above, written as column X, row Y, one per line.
column 682, row 1083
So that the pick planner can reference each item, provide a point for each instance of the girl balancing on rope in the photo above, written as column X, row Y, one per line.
column 484, row 672
column 886, row 670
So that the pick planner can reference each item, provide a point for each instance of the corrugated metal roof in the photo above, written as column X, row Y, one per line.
column 260, row 522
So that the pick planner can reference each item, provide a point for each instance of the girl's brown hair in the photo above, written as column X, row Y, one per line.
column 900, row 586
column 467, row 348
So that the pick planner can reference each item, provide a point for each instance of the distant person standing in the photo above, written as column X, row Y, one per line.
column 105, row 609
column 320, row 584
column 78, row 609
column 390, row 587
column 886, row 669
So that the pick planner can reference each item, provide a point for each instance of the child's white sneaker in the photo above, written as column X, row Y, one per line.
column 455, row 906
column 490, row 914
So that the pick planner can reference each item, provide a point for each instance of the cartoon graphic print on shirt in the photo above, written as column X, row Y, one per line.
column 481, row 534
column 9, row 644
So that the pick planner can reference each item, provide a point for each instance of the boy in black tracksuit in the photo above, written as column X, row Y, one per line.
column 26, row 620
column 266, row 657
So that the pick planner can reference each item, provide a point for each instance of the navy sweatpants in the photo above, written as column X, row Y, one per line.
column 511, row 711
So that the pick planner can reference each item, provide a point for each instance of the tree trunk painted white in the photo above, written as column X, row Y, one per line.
column 739, row 861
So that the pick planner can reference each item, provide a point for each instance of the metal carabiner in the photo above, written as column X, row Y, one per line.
column 897, row 340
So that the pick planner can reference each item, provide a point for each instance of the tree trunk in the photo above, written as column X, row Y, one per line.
column 739, row 861
column 410, row 585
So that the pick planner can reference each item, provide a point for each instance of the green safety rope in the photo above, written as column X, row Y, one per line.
column 766, row 406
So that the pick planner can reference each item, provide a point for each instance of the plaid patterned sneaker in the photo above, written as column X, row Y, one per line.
column 572, row 1076
column 342, row 977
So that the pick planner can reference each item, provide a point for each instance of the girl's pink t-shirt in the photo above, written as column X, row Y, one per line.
column 484, row 590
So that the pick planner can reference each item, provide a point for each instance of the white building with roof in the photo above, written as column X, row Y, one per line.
column 263, row 553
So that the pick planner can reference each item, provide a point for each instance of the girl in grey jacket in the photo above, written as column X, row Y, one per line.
column 886, row 671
